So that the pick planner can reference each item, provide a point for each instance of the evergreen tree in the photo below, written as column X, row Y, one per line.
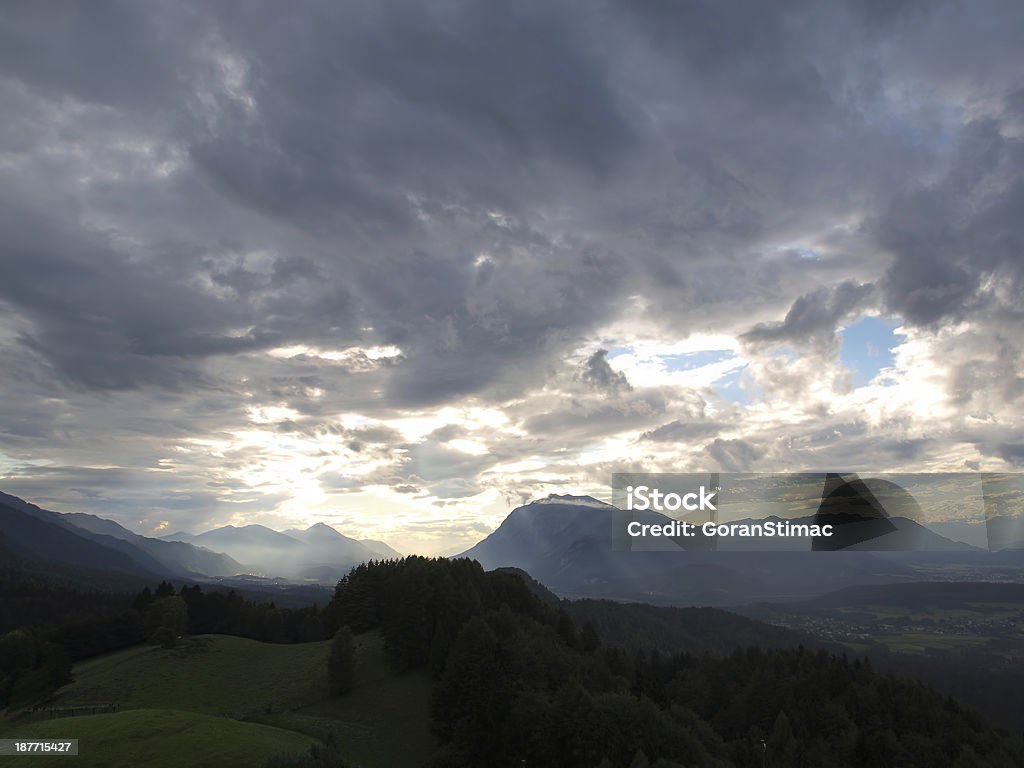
column 341, row 662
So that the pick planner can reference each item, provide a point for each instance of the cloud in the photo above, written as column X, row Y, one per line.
column 813, row 318
column 599, row 374
column 209, row 214
column 677, row 431
column 733, row 455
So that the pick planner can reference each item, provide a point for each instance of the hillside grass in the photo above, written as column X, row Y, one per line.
column 161, row 738
column 211, row 674
column 384, row 722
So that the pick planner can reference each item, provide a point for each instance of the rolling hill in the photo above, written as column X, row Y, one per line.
column 162, row 738
column 242, row 701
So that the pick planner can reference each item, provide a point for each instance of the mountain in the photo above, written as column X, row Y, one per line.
column 175, row 556
column 35, row 539
column 263, row 550
column 566, row 542
column 381, row 549
column 318, row 553
column 973, row 532
column 850, row 533
column 146, row 555
column 1006, row 532
column 328, row 545
column 325, row 546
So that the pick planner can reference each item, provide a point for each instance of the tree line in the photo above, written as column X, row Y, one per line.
column 36, row 652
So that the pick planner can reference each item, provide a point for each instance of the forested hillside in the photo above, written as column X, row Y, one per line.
column 514, row 679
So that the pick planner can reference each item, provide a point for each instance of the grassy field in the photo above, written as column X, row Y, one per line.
column 204, row 689
column 215, row 675
column 383, row 721
column 161, row 738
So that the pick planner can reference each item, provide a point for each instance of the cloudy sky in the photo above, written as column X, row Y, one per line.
column 399, row 267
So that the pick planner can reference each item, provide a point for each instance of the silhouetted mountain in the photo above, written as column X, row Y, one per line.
column 318, row 553
column 35, row 538
column 148, row 555
column 566, row 542
column 261, row 549
column 177, row 557
column 381, row 549
column 1006, row 532
column 327, row 546
column 973, row 532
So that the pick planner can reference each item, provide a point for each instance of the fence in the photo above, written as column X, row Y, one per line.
column 74, row 710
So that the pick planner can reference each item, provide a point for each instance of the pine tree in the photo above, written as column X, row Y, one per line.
column 341, row 662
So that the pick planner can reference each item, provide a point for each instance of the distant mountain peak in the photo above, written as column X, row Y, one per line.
column 571, row 500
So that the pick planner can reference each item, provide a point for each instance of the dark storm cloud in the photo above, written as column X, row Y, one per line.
column 948, row 237
column 1011, row 452
column 599, row 374
column 483, row 190
column 386, row 125
column 812, row 319
column 102, row 320
column 403, row 144
column 109, row 52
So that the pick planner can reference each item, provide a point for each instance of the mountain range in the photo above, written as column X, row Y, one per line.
column 318, row 553
column 565, row 542
column 100, row 546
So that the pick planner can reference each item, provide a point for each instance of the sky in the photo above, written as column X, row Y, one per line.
column 400, row 267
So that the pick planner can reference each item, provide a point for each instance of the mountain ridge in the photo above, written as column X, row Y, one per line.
column 150, row 556
column 567, row 543
column 318, row 553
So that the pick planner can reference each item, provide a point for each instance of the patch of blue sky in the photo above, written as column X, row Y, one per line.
column 732, row 388
column 867, row 348
column 799, row 250
column 689, row 361
column 807, row 253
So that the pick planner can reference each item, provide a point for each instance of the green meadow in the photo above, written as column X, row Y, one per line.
column 227, row 701
column 161, row 738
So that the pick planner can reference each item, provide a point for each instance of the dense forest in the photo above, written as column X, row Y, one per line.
column 637, row 626
column 515, row 679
